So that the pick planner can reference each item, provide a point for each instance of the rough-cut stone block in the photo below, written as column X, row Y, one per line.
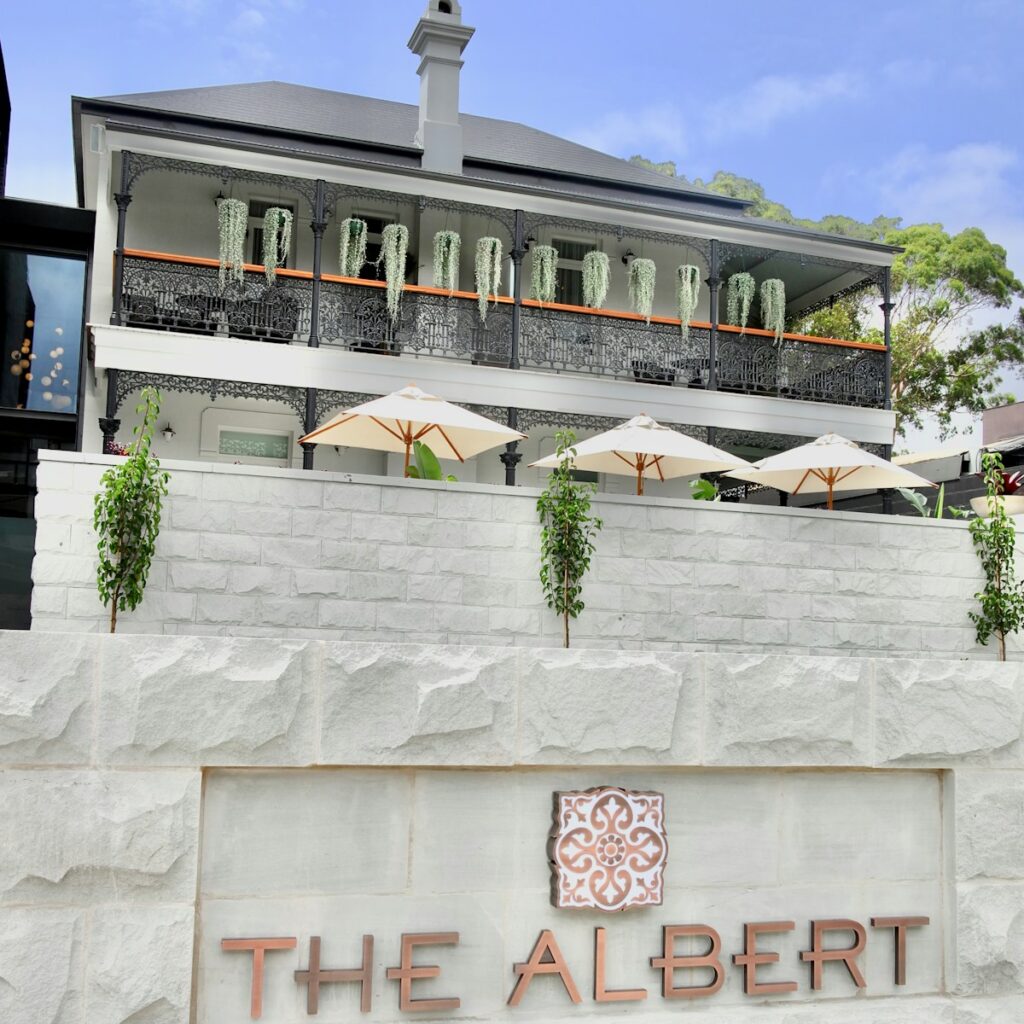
column 410, row 704
column 227, row 547
column 989, row 824
column 300, row 554
column 354, row 497
column 313, row 523
column 140, row 965
column 771, row 710
column 98, row 836
column 990, row 939
column 599, row 707
column 1004, row 1010
column 46, row 697
column 408, row 500
column 197, row 701
column 936, row 712
column 41, row 966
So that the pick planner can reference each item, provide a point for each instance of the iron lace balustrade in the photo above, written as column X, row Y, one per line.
column 803, row 368
column 564, row 339
column 173, row 293
column 429, row 323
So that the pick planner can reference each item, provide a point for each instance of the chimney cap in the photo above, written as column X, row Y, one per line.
column 440, row 25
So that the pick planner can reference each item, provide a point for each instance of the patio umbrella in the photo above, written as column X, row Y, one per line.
column 644, row 448
column 831, row 463
column 393, row 422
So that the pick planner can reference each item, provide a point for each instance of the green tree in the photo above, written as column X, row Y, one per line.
column 994, row 537
column 126, row 517
column 567, row 535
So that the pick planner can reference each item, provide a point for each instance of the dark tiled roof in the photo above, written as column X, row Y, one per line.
column 384, row 124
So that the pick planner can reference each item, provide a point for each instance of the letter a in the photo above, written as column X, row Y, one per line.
column 537, row 964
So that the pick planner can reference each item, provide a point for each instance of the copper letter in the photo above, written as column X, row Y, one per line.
column 314, row 977
column 601, row 994
column 545, row 946
column 901, row 924
column 668, row 962
column 405, row 974
column 258, row 948
column 750, row 959
column 817, row 955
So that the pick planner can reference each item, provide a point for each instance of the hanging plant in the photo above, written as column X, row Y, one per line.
column 596, row 278
column 352, row 249
column 488, row 271
column 394, row 243
column 641, row 286
column 277, row 239
column 447, row 246
column 687, row 294
column 232, row 224
column 773, row 307
column 543, row 267
column 739, row 295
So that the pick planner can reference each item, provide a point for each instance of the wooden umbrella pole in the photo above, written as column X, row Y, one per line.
column 639, row 473
column 407, row 438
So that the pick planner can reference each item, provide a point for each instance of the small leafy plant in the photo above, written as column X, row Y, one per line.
column 425, row 465
column 919, row 503
column 739, row 295
column 447, row 247
column 994, row 537
column 487, row 272
column 567, row 535
column 394, row 243
column 126, row 517
column 232, row 224
column 642, row 274
column 352, row 246
column 277, row 239
column 544, row 272
column 596, row 278
column 703, row 490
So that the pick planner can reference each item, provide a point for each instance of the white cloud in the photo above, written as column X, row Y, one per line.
column 249, row 20
column 657, row 129
column 773, row 98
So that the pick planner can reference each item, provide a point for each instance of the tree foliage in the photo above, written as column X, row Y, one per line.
column 942, row 363
column 994, row 537
column 567, row 535
column 126, row 517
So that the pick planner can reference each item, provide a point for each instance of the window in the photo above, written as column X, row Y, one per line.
column 41, row 311
column 569, row 276
column 254, row 444
column 257, row 211
column 375, row 224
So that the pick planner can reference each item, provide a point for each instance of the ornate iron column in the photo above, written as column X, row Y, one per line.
column 308, row 425
column 518, row 252
column 714, row 284
column 886, row 308
column 122, row 197
column 109, row 423
column 319, row 226
column 511, row 456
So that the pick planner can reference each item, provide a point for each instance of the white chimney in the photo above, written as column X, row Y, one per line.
column 438, row 40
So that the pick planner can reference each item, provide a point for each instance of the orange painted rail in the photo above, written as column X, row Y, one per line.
column 420, row 289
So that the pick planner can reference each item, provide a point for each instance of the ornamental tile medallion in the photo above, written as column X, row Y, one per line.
column 607, row 849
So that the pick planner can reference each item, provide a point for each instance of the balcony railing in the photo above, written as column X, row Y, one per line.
column 179, row 293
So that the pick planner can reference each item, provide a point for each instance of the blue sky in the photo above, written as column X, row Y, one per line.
column 910, row 109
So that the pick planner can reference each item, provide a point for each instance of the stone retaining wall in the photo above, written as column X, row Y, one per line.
column 105, row 742
column 248, row 552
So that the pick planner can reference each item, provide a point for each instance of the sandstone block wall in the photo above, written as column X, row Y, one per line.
column 252, row 552
column 105, row 742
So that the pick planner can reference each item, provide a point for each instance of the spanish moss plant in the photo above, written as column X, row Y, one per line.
column 641, row 286
column 394, row 243
column 543, row 267
column 352, row 248
column 687, row 294
column 447, row 246
column 739, row 295
column 596, row 278
column 773, row 307
column 488, row 271
column 232, row 223
column 277, row 239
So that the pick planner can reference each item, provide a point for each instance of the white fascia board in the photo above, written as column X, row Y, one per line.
column 337, row 369
column 505, row 198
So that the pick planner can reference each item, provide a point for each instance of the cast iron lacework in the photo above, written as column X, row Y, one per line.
column 129, row 381
column 161, row 295
column 702, row 246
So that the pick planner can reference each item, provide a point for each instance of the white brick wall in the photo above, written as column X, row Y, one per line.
column 248, row 551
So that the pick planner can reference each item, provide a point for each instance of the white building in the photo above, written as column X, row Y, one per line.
column 246, row 369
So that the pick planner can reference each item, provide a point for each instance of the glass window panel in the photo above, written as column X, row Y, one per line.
column 253, row 445
column 41, row 304
column 569, row 286
column 572, row 250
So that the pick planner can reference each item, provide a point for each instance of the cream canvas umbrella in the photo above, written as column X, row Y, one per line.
column 642, row 447
column 392, row 423
column 831, row 463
